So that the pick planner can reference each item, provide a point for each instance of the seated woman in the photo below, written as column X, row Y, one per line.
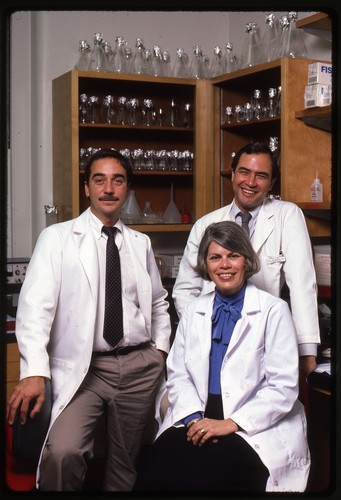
column 234, row 422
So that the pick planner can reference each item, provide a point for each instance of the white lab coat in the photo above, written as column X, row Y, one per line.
column 57, row 306
column 259, row 382
column 282, row 243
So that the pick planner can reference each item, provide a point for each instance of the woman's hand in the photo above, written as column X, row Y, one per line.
column 208, row 430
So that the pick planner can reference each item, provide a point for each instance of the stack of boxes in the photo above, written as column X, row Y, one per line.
column 171, row 263
column 318, row 92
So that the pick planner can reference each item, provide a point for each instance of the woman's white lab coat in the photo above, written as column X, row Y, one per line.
column 259, row 382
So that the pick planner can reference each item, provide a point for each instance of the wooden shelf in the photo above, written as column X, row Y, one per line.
column 318, row 24
column 316, row 117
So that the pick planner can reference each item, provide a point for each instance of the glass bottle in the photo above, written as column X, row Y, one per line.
column 218, row 62
column 139, row 61
column 121, row 118
column 93, row 109
column 120, row 60
column 271, row 38
column 148, row 113
column 292, row 41
column 231, row 63
column 83, row 108
column 272, row 102
column 133, row 108
column 166, row 59
column 82, row 62
column 174, row 114
column 197, row 65
column 180, row 67
column 251, row 53
column 109, row 108
column 257, row 105
column 97, row 60
column 157, row 62
column 188, row 116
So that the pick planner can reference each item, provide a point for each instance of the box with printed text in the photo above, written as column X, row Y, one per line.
column 320, row 73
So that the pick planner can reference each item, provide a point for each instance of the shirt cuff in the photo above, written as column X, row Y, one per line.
column 186, row 420
column 307, row 349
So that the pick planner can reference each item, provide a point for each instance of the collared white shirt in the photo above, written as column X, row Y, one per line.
column 133, row 321
column 254, row 214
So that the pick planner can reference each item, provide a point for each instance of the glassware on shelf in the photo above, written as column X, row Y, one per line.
column 139, row 63
column 292, row 38
column 148, row 113
column 257, row 105
column 120, row 59
column 218, row 65
column 231, row 63
column 109, row 109
column 97, row 60
column 272, row 102
column 172, row 215
column 174, row 114
column 197, row 68
column 121, row 117
column 252, row 52
column 93, row 109
column 271, row 38
column 133, row 111
column 248, row 113
column 83, row 108
column 166, row 59
column 130, row 211
column 180, row 67
column 82, row 62
column 188, row 116
column 149, row 216
column 229, row 117
column 157, row 61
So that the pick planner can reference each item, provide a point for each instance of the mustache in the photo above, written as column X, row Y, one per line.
column 109, row 198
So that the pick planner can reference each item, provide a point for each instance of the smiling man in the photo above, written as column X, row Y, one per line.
column 60, row 332
column 278, row 234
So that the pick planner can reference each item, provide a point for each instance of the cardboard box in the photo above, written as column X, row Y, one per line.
column 170, row 259
column 320, row 73
column 317, row 95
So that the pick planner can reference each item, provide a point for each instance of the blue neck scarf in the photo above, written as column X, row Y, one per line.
column 226, row 313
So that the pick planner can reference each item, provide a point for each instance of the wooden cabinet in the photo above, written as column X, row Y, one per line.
column 155, row 185
column 13, row 366
column 302, row 150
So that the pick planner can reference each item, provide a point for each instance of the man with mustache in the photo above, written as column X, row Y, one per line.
column 60, row 327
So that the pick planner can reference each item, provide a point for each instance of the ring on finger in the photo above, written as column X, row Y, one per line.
column 202, row 431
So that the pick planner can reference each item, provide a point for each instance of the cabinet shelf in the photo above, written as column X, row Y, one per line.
column 316, row 117
column 137, row 127
column 318, row 24
column 247, row 123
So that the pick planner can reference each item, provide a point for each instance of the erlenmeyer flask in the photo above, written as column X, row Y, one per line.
column 97, row 61
column 120, row 59
column 156, row 61
column 82, row 62
column 251, row 53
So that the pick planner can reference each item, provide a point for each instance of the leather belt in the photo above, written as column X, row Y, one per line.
column 122, row 351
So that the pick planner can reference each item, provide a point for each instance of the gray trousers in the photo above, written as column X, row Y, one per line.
column 125, row 387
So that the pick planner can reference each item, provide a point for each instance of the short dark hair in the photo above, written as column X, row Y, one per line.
column 109, row 153
column 231, row 236
column 257, row 148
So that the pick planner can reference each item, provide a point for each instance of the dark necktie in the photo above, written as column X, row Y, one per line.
column 246, row 217
column 113, row 315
